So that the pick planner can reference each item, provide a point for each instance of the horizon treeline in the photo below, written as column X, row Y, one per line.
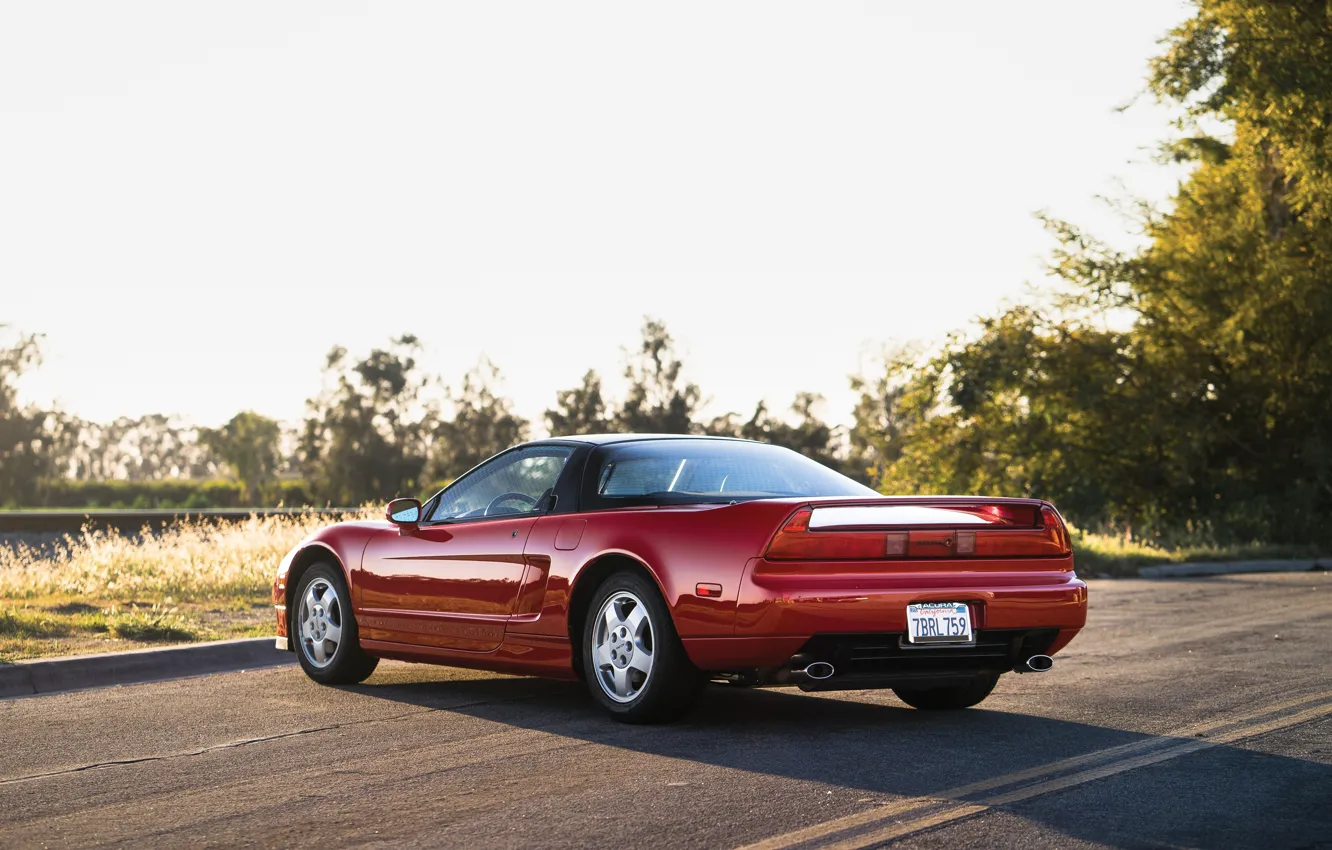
column 380, row 427
column 1180, row 392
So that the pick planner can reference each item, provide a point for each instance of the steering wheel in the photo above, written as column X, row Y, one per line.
column 504, row 497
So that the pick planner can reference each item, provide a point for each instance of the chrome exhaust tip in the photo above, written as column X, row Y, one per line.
column 1036, row 664
column 819, row 670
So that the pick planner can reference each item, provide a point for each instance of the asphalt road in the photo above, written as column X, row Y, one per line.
column 1190, row 713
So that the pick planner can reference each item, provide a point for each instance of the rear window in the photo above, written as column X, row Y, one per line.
column 683, row 471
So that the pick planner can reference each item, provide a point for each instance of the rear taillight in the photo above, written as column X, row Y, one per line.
column 795, row 542
column 997, row 538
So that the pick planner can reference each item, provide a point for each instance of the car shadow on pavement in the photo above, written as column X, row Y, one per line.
column 843, row 740
column 882, row 751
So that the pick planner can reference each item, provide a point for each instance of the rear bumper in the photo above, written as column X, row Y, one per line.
column 782, row 613
column 887, row 660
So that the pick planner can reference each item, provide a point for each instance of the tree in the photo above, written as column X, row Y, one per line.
column 581, row 410
column 366, row 434
column 881, row 416
column 1205, row 415
column 149, row 448
column 657, row 401
column 483, row 424
column 249, row 443
column 1264, row 68
column 809, row 435
column 1019, row 411
column 25, row 438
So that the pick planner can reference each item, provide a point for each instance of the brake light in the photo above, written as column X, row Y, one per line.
column 1008, row 531
column 795, row 542
column 1054, row 526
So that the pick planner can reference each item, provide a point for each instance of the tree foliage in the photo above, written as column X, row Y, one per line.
column 1207, row 415
column 154, row 447
column 808, row 434
column 249, row 443
column 580, row 410
column 658, row 400
column 25, row 438
column 363, row 438
column 483, row 424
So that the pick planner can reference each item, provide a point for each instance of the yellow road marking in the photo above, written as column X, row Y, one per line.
column 1116, row 760
column 1132, row 747
column 955, row 812
column 960, row 811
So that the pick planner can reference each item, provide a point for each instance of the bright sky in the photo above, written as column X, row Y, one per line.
column 197, row 200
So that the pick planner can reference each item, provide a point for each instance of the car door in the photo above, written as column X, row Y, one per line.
column 451, row 582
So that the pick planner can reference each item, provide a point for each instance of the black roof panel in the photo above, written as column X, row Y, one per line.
column 607, row 439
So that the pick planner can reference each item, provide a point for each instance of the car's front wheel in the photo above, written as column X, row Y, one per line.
column 634, row 662
column 325, row 629
column 948, row 699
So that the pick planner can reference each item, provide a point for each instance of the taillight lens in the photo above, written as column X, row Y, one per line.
column 796, row 542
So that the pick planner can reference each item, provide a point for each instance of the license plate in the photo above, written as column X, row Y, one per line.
column 939, row 622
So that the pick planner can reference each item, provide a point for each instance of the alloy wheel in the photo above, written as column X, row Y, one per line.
column 321, row 622
column 623, row 646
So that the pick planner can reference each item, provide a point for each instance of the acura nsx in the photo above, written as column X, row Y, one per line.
column 650, row 565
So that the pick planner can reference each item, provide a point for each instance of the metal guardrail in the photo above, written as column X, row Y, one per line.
column 57, row 521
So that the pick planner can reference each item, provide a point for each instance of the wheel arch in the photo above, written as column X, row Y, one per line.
column 307, row 557
column 585, row 584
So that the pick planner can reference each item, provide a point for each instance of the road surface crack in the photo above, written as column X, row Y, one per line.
column 231, row 745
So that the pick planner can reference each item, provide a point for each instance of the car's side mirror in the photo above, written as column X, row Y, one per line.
column 404, row 512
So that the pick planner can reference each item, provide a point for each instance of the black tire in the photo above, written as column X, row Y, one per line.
column 348, row 664
column 673, row 683
column 950, row 698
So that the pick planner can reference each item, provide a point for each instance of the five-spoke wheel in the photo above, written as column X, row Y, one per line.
column 323, row 625
column 321, row 622
column 632, row 658
column 624, row 646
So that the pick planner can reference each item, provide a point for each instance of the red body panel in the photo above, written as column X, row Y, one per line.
column 496, row 594
column 338, row 545
column 451, row 587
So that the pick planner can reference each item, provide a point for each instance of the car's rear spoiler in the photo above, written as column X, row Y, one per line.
column 925, row 527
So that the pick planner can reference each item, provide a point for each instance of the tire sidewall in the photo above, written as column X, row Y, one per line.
column 669, row 686
column 332, row 672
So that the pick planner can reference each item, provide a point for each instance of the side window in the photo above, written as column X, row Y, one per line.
column 514, row 484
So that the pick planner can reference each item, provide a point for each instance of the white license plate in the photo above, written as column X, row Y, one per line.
column 939, row 622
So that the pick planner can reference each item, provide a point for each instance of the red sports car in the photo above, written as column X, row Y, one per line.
column 650, row 565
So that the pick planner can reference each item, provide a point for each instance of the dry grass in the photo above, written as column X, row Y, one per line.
column 103, row 590
column 201, row 580
column 186, row 560
column 1113, row 555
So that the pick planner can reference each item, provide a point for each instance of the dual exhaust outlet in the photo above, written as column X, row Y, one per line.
column 803, row 670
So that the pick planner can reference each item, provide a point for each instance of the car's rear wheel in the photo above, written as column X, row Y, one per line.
column 950, row 698
column 634, row 662
column 324, row 629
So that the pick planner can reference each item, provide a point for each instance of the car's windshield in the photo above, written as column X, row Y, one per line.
column 713, row 470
